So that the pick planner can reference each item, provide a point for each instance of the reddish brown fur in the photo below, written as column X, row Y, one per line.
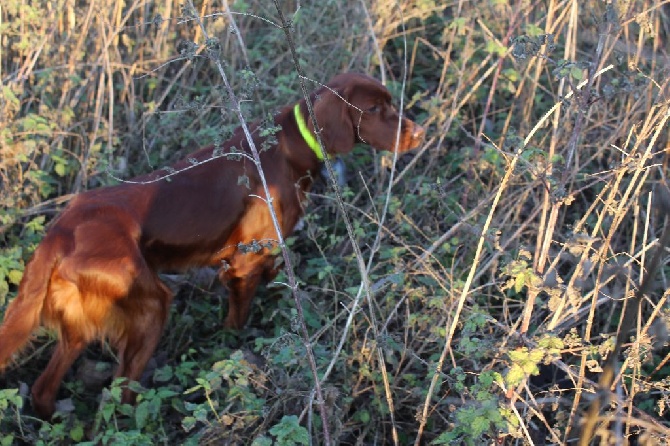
column 94, row 276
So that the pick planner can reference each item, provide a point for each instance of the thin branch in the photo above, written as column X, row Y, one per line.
column 214, row 56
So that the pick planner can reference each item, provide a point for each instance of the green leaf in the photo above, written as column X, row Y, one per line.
column 535, row 356
column 262, row 441
column 487, row 378
column 107, row 412
column 446, row 438
column 551, row 343
column 200, row 413
column 397, row 279
column 163, row 374
column 534, row 30
column 164, row 392
column 141, row 414
column 515, row 376
column 289, row 432
column 60, row 169
column 36, row 225
column 188, row 423
column 10, row 396
column 10, row 97
column 495, row 48
column 14, row 276
column 577, row 73
column 204, row 384
column 77, row 433
column 459, row 24
column 479, row 425
column 519, row 282
column 363, row 416
column 33, row 123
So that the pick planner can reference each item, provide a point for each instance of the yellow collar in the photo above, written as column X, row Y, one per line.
column 307, row 135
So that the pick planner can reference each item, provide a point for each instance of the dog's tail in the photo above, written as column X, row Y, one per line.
column 23, row 314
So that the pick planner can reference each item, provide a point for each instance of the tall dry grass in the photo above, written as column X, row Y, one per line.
column 512, row 237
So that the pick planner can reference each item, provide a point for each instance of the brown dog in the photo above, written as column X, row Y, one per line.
column 94, row 276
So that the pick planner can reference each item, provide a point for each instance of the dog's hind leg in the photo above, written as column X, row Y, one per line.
column 44, row 390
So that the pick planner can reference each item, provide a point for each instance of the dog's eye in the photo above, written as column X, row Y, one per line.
column 373, row 109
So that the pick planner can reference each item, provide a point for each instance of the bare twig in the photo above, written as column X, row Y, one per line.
column 628, row 322
column 214, row 56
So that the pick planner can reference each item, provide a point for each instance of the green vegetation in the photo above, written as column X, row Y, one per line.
column 498, row 275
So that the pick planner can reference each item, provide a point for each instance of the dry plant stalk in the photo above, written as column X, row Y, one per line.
column 288, row 265
column 628, row 323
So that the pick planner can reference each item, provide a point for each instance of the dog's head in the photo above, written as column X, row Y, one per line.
column 355, row 108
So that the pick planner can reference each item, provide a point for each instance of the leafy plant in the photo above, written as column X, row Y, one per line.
column 511, row 241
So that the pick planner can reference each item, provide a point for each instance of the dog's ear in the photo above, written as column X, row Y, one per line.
column 334, row 118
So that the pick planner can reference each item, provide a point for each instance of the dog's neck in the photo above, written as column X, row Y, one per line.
column 300, row 154
column 307, row 135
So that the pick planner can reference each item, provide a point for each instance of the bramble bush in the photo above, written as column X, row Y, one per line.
column 498, row 274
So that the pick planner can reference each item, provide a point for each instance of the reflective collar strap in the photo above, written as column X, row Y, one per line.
column 306, row 134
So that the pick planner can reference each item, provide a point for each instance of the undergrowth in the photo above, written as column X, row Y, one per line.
column 512, row 239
